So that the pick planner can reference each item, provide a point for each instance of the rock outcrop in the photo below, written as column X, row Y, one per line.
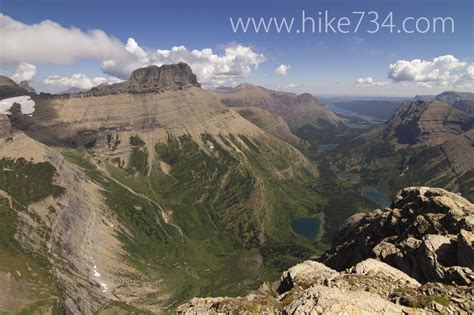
column 414, row 258
column 427, row 234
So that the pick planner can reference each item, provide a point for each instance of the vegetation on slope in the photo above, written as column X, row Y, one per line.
column 202, row 226
column 24, row 183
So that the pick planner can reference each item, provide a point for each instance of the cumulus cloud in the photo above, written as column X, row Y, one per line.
column 368, row 82
column 78, row 80
column 441, row 71
column 212, row 69
column 24, row 71
column 282, row 69
column 293, row 85
column 50, row 42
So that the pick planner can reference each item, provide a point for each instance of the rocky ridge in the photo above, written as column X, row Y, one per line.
column 415, row 257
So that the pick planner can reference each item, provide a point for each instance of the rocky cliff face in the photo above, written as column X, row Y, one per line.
column 415, row 257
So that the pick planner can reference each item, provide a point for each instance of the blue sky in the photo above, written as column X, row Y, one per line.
column 323, row 64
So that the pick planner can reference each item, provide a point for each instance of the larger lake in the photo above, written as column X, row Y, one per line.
column 307, row 227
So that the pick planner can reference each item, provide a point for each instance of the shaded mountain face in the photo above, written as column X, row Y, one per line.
column 424, row 143
column 426, row 123
column 462, row 101
column 296, row 110
column 151, row 192
column 8, row 88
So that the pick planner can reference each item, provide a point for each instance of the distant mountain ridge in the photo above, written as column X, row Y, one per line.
column 424, row 143
column 296, row 110
column 464, row 101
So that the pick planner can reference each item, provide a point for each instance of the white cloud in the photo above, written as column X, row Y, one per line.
column 293, row 85
column 441, row 71
column 78, row 80
column 212, row 69
column 49, row 42
column 368, row 82
column 282, row 69
column 470, row 72
column 24, row 71
column 466, row 79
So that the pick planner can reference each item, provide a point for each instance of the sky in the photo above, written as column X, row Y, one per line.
column 56, row 44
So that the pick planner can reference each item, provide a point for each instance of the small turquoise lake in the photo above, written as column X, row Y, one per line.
column 309, row 228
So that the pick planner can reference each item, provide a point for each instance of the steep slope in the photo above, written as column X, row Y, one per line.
column 271, row 123
column 462, row 101
column 296, row 110
column 68, row 246
column 413, row 258
column 424, row 143
column 196, row 198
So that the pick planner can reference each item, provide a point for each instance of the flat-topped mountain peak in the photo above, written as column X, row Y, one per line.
column 179, row 75
column 153, row 78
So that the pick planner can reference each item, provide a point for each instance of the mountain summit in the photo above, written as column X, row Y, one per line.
column 153, row 79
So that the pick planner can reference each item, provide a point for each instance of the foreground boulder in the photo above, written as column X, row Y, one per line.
column 427, row 234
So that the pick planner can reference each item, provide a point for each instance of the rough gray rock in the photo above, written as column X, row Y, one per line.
column 420, row 235
column 324, row 300
column 305, row 275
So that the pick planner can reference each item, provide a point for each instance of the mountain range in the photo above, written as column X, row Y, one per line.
column 135, row 197
column 423, row 143
column 152, row 191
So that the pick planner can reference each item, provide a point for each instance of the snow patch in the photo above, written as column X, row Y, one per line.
column 96, row 273
column 26, row 103
column 103, row 287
